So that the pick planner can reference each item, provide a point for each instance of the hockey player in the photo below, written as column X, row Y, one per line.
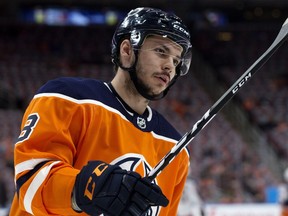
column 87, row 146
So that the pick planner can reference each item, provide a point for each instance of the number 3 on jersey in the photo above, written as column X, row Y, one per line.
column 30, row 124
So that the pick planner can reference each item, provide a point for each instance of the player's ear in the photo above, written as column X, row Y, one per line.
column 126, row 53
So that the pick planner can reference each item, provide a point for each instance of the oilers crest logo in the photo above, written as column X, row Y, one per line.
column 136, row 162
column 141, row 123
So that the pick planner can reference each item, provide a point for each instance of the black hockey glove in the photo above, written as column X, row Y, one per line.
column 101, row 188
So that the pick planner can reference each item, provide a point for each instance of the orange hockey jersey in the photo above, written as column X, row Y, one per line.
column 73, row 120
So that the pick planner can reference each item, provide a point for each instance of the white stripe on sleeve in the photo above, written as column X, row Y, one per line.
column 34, row 186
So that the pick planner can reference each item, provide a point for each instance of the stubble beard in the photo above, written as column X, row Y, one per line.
column 141, row 85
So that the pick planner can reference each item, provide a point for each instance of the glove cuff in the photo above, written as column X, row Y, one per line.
column 89, row 182
column 74, row 205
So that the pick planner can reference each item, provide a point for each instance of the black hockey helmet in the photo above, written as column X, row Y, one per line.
column 144, row 21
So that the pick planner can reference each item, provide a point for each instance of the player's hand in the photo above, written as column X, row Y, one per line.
column 101, row 188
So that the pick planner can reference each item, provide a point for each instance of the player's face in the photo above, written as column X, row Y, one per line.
column 157, row 61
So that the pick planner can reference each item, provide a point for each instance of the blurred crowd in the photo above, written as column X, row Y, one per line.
column 224, row 168
column 265, row 96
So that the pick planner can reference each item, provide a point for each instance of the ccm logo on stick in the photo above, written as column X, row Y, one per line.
column 241, row 83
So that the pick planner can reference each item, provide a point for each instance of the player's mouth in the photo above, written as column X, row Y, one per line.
column 164, row 78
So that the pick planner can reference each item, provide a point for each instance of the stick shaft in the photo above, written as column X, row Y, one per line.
column 220, row 103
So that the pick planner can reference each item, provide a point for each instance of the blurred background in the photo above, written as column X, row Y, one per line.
column 239, row 158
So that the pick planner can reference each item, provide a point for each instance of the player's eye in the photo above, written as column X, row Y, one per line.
column 176, row 62
column 165, row 54
column 160, row 51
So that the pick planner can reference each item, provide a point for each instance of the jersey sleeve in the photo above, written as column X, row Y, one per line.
column 44, row 155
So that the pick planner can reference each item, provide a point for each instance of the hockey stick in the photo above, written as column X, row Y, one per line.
column 210, row 114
